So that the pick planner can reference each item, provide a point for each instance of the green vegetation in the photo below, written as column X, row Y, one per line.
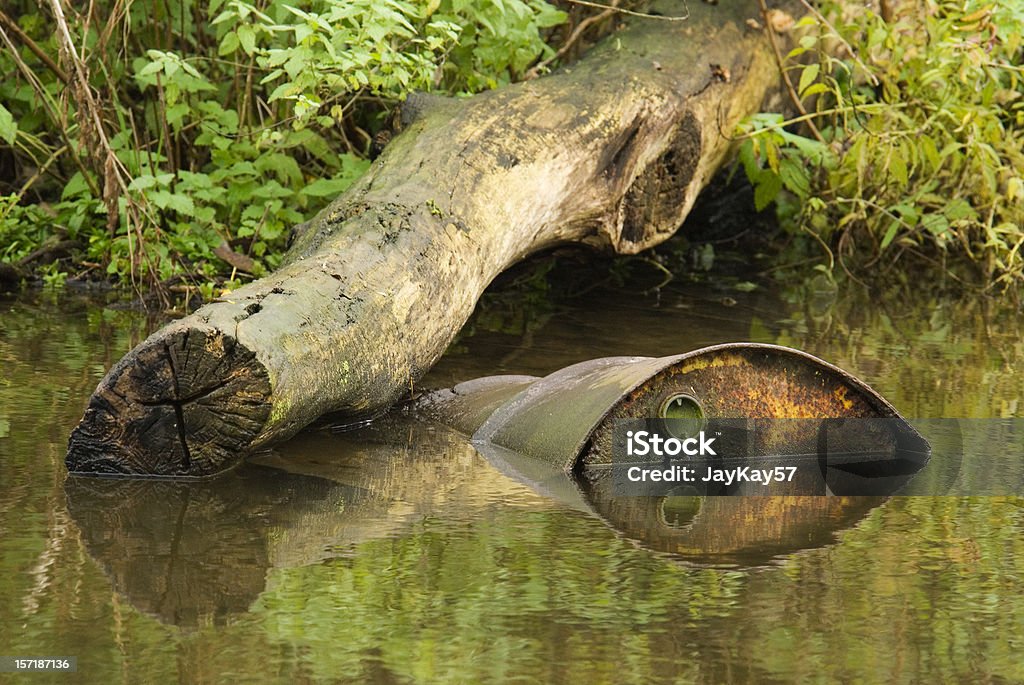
column 911, row 151
column 175, row 144
column 151, row 134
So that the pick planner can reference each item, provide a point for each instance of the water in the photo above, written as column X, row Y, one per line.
column 399, row 554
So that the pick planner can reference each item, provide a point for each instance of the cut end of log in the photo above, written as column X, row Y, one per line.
column 186, row 402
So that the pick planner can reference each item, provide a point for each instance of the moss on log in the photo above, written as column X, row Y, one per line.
column 610, row 152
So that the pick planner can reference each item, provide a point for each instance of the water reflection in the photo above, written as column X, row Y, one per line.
column 737, row 531
column 499, row 582
column 727, row 531
column 191, row 552
column 185, row 552
column 194, row 552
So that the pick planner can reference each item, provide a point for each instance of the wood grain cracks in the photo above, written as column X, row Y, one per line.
column 179, row 415
column 178, row 412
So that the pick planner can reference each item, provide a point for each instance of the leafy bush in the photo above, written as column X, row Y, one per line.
column 207, row 122
column 921, row 148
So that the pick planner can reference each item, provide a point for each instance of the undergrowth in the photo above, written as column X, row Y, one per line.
column 909, row 158
column 175, row 143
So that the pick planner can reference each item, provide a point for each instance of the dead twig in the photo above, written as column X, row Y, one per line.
column 94, row 136
column 25, row 40
column 573, row 38
column 631, row 13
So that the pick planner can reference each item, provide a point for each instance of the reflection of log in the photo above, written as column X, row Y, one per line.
column 611, row 153
column 192, row 552
column 186, row 552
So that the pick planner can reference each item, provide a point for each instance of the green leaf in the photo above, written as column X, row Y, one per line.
column 794, row 177
column 284, row 167
column 228, row 44
column 809, row 75
column 937, row 224
column 377, row 32
column 247, row 38
column 8, row 129
column 894, row 227
column 276, row 73
column 173, row 201
column 297, row 12
column 142, row 182
column 907, row 212
column 182, row 204
column 814, row 89
column 898, row 167
column 749, row 160
column 931, row 153
column 327, row 187
column 176, row 113
column 285, row 90
column 318, row 147
column 76, row 186
column 815, row 151
column 223, row 16
column 767, row 189
column 150, row 69
column 550, row 16
column 958, row 210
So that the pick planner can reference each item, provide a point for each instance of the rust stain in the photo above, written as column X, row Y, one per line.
column 746, row 384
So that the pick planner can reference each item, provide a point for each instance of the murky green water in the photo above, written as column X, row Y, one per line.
column 398, row 554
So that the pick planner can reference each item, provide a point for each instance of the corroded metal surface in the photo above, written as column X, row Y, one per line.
column 566, row 418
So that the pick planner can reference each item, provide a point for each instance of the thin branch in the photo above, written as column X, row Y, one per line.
column 827, row 112
column 842, row 262
column 110, row 167
column 824, row 245
column 619, row 10
column 853, row 53
column 576, row 34
column 785, row 75
column 41, row 171
column 13, row 27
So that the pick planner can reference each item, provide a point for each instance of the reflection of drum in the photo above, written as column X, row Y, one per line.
column 743, row 531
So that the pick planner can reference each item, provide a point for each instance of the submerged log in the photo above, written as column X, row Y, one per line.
column 610, row 152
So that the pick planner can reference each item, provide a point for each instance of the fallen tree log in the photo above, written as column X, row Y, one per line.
column 610, row 152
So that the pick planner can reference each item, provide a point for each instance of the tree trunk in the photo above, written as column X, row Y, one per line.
column 610, row 152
